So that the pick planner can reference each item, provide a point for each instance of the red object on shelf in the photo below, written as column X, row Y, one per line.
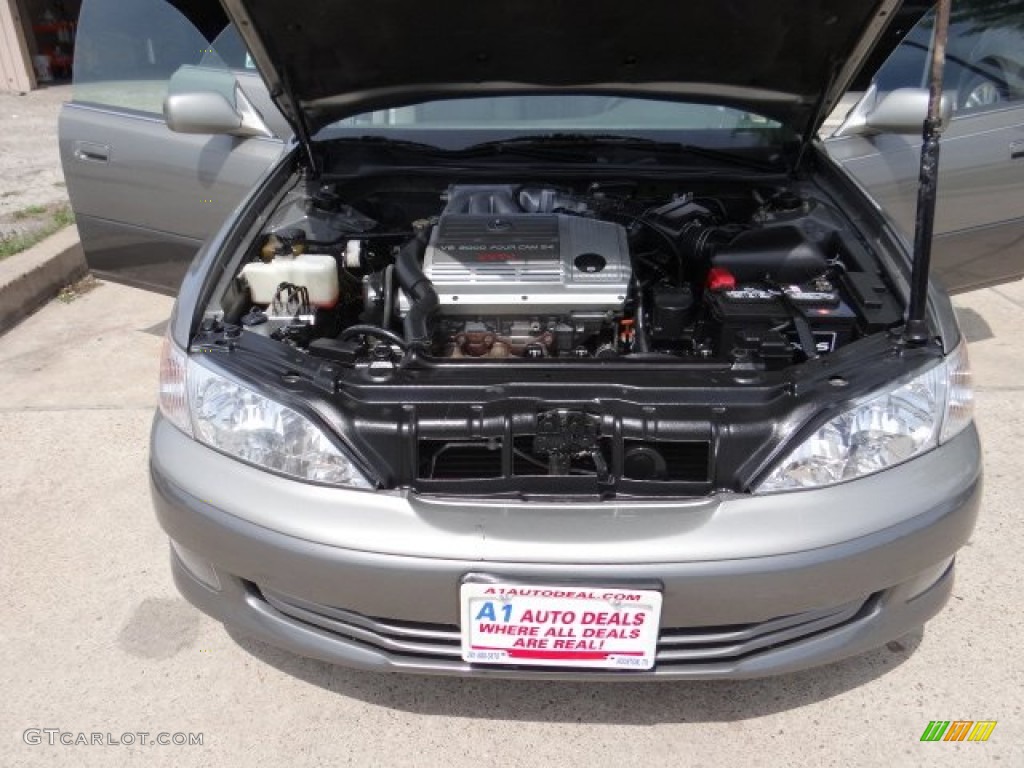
column 59, row 47
column 54, row 27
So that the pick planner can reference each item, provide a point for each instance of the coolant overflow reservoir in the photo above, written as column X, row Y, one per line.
column 316, row 272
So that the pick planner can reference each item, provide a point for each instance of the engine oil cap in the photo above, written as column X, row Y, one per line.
column 590, row 262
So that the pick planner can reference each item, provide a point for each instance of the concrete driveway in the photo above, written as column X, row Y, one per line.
column 94, row 639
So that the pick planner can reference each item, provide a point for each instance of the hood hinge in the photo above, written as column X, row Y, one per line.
column 815, row 119
column 285, row 93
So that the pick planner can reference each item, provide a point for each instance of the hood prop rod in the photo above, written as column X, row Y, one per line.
column 916, row 330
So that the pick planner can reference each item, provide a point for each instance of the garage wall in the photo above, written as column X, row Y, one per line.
column 16, row 73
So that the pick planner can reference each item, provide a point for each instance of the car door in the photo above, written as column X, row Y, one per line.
column 144, row 196
column 979, row 227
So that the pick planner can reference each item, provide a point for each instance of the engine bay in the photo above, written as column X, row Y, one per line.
column 759, row 276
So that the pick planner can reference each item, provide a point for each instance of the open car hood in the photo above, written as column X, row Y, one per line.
column 789, row 60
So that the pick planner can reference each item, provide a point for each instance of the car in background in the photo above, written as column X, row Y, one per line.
column 506, row 347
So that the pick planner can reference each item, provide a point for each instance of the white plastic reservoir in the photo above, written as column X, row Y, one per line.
column 316, row 272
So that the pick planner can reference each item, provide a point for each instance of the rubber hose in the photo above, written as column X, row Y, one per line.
column 422, row 296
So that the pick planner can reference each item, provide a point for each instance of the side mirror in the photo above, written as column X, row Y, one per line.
column 900, row 111
column 904, row 111
column 208, row 112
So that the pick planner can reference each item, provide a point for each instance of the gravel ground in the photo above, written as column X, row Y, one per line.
column 30, row 172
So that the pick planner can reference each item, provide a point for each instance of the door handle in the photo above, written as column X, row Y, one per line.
column 92, row 152
column 1017, row 150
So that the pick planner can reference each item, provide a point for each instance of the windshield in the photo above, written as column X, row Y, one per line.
column 506, row 116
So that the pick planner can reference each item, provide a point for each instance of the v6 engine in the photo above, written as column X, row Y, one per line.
column 489, row 256
column 522, row 268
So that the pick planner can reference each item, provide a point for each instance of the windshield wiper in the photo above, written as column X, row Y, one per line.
column 371, row 140
column 567, row 139
column 568, row 147
column 527, row 148
column 616, row 141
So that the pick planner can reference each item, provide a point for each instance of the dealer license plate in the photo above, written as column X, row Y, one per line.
column 560, row 626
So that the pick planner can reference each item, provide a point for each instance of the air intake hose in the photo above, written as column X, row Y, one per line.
column 422, row 296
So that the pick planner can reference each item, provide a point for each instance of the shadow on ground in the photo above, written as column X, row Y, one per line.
column 974, row 327
column 611, row 703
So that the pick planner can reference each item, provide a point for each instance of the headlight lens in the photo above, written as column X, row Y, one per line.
column 243, row 423
column 883, row 430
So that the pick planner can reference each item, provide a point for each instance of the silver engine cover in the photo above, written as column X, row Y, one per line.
column 529, row 264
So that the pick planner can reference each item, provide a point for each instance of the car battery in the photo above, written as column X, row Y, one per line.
column 752, row 313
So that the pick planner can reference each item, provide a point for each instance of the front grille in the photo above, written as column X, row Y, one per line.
column 398, row 637
column 682, row 460
column 676, row 646
column 645, row 461
column 716, row 644
column 460, row 460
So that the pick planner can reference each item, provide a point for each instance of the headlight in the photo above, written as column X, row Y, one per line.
column 237, row 420
column 882, row 430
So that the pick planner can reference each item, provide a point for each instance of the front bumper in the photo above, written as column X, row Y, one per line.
column 751, row 586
